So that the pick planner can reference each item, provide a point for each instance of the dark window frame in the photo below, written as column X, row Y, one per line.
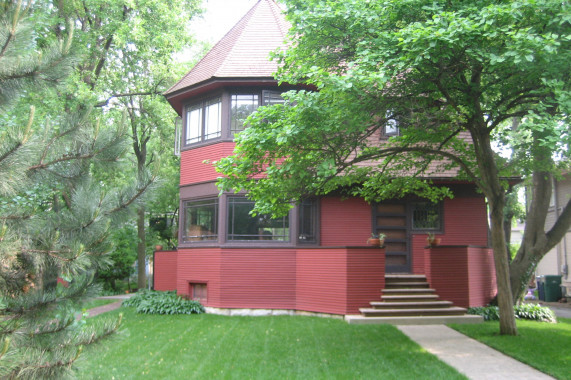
column 213, row 237
column 203, row 136
column 233, row 237
column 438, row 207
column 313, row 221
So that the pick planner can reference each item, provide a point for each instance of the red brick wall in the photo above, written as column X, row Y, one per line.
column 345, row 222
column 164, row 272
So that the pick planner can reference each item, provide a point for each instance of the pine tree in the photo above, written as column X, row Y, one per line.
column 55, row 220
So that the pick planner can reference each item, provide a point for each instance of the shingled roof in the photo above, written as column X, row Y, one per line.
column 244, row 51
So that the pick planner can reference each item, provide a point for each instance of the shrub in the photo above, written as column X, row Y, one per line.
column 151, row 302
column 529, row 311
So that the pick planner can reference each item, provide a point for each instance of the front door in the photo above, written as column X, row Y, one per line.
column 391, row 218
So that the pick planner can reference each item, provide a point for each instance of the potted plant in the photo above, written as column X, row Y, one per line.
column 432, row 240
column 376, row 240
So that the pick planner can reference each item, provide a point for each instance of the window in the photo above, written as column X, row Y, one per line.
column 307, row 221
column 243, row 226
column 270, row 98
column 200, row 220
column 241, row 107
column 203, row 121
column 426, row 216
column 198, row 292
column 391, row 127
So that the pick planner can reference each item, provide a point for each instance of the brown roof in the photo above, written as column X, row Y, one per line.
column 244, row 51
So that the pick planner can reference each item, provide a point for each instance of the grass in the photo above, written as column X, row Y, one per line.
column 545, row 346
column 98, row 302
column 210, row 346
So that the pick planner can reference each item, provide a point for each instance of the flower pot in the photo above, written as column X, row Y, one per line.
column 375, row 242
column 158, row 247
column 434, row 242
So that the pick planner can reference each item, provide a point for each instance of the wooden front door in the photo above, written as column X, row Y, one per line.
column 391, row 219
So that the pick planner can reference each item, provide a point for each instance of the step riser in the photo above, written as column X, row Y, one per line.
column 413, row 312
column 409, row 305
column 409, row 299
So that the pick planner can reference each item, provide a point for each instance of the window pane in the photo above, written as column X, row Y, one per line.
column 243, row 226
column 307, row 221
column 391, row 126
column 242, row 107
column 193, row 125
column 200, row 220
column 426, row 216
column 212, row 119
column 272, row 97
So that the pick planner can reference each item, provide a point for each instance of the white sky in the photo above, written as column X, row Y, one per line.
column 219, row 17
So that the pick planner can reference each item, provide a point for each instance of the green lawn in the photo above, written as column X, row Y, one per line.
column 98, row 302
column 545, row 346
column 209, row 346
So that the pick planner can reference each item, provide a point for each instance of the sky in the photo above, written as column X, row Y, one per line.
column 220, row 16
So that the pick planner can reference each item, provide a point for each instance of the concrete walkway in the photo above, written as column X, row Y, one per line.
column 470, row 357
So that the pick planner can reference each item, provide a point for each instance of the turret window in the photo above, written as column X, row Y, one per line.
column 241, row 107
column 203, row 121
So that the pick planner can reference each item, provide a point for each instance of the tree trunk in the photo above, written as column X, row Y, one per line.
column 495, row 194
column 141, row 252
column 536, row 242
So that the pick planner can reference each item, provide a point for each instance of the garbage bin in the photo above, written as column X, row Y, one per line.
column 552, row 288
column 540, row 281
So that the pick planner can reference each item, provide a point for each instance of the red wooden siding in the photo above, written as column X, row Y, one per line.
column 257, row 278
column 365, row 277
column 193, row 168
column 461, row 274
column 465, row 223
column 324, row 280
column 164, row 273
column 345, row 222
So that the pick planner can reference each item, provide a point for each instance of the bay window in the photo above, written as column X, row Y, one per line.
column 203, row 121
column 200, row 220
column 243, row 226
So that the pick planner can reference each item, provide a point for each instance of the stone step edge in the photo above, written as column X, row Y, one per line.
column 426, row 320
column 453, row 309
column 399, row 304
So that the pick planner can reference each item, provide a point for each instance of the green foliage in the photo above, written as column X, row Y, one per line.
column 151, row 302
column 122, row 257
column 528, row 311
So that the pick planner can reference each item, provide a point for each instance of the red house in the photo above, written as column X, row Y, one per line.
column 316, row 259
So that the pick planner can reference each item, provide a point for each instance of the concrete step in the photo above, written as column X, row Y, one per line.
column 408, row 291
column 407, row 285
column 445, row 311
column 425, row 320
column 410, row 305
column 410, row 298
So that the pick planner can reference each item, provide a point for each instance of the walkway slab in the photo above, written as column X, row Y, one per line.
column 470, row 357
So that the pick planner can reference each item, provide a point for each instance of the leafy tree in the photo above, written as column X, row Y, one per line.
column 123, row 256
column 126, row 55
column 55, row 219
column 452, row 76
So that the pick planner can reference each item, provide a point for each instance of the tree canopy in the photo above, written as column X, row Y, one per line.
column 453, row 76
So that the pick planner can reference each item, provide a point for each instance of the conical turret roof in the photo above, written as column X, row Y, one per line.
column 243, row 52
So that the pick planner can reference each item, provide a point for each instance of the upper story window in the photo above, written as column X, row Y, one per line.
column 204, row 121
column 391, row 127
column 272, row 97
column 240, row 108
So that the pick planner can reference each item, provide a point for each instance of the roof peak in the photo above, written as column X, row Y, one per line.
column 243, row 52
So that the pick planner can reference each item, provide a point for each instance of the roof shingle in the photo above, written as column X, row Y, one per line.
column 244, row 51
